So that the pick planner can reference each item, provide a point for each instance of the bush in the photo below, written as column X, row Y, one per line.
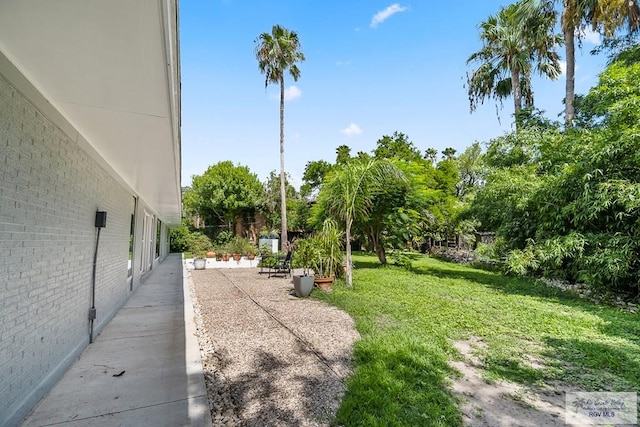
column 178, row 239
column 223, row 238
column 198, row 244
column 401, row 259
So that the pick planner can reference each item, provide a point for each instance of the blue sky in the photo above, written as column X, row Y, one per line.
column 372, row 67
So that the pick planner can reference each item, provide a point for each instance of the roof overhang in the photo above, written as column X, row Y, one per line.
column 108, row 74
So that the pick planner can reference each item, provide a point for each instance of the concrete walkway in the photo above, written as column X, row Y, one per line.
column 144, row 369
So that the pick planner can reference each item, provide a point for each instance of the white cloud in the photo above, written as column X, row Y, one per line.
column 591, row 36
column 383, row 15
column 343, row 63
column 352, row 129
column 290, row 93
column 563, row 68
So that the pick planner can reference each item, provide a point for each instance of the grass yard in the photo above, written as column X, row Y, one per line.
column 409, row 320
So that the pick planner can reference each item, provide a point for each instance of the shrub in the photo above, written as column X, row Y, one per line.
column 198, row 244
column 178, row 238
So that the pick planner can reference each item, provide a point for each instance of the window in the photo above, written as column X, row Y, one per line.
column 158, row 235
column 132, row 230
column 146, row 259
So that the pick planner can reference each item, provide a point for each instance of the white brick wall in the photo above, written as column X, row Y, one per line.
column 49, row 192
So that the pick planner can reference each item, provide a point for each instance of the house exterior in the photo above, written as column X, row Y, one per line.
column 89, row 121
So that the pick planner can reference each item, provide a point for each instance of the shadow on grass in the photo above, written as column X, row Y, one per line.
column 596, row 366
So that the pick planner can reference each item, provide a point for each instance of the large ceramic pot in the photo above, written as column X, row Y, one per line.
column 303, row 285
column 324, row 283
column 199, row 263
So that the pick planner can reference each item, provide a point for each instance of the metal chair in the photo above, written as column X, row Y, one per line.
column 282, row 266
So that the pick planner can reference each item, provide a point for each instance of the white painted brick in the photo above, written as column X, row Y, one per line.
column 49, row 192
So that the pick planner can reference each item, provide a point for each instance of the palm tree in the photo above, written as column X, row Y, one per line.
column 510, row 53
column 448, row 153
column 612, row 14
column 347, row 194
column 278, row 52
column 431, row 154
column 605, row 14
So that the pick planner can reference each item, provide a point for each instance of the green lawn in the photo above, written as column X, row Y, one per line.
column 408, row 321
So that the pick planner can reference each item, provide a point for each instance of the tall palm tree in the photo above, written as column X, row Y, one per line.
column 431, row 154
column 278, row 52
column 347, row 193
column 448, row 153
column 510, row 53
column 607, row 15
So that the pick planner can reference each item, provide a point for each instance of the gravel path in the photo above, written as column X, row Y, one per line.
column 270, row 358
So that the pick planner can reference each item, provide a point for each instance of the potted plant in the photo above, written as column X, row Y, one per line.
column 250, row 251
column 222, row 242
column 198, row 244
column 305, row 251
column 238, row 247
column 329, row 256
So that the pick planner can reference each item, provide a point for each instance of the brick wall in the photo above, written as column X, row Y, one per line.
column 49, row 192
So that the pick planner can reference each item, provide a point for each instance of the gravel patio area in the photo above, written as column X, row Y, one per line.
column 269, row 358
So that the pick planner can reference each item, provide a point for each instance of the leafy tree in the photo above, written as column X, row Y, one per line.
column 511, row 50
column 347, row 195
column 314, row 173
column 278, row 52
column 387, row 204
column 568, row 204
column 223, row 193
column 343, row 154
column 469, row 166
column 397, row 146
column 297, row 205
column 424, row 212
column 447, row 176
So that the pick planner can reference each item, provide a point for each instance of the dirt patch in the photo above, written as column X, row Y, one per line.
column 503, row 403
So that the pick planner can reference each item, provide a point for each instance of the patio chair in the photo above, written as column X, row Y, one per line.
column 282, row 267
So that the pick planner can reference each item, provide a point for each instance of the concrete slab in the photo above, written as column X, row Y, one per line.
column 143, row 369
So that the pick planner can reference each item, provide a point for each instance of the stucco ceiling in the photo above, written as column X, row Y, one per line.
column 111, row 69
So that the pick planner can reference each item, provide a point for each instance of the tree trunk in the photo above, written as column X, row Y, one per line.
column 382, row 254
column 517, row 91
column 570, row 51
column 284, row 239
column 378, row 247
column 348, row 248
